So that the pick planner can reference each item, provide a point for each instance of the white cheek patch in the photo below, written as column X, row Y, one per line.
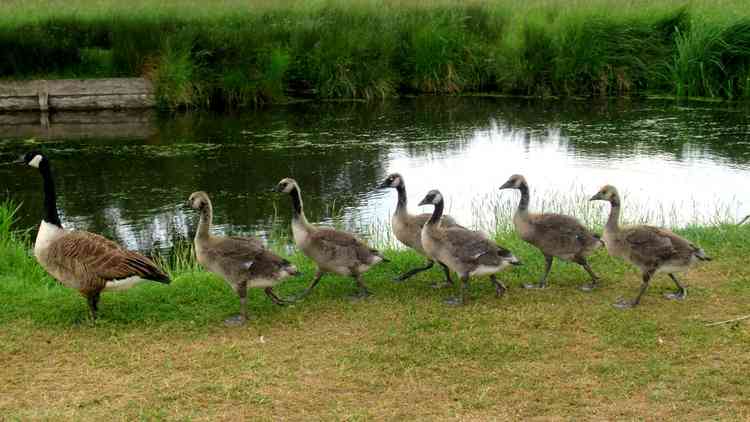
column 437, row 198
column 35, row 161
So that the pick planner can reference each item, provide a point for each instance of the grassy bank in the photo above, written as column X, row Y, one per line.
column 237, row 53
column 162, row 352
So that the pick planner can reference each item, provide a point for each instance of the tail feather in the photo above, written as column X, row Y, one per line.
column 147, row 269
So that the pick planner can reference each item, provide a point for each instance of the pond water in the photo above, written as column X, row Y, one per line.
column 674, row 164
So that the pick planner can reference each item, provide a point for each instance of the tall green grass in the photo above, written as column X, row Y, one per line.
column 240, row 53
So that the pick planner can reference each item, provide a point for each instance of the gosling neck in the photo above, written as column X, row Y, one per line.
column 614, row 214
column 298, row 213
column 204, row 224
column 437, row 213
column 401, row 205
column 523, row 203
column 50, row 198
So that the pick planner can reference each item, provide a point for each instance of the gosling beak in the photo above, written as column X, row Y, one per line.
column 507, row 185
column 19, row 160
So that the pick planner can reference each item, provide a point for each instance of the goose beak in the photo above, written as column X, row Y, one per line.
column 424, row 202
column 506, row 185
column 275, row 189
column 596, row 197
column 383, row 185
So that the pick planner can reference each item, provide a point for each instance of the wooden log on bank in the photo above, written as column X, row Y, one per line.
column 76, row 94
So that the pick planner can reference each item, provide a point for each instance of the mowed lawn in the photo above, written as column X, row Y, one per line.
column 163, row 352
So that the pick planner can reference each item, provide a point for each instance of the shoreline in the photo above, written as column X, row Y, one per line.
column 18, row 266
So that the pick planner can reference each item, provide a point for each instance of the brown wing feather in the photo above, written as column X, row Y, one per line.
column 245, row 258
column 472, row 246
column 560, row 234
column 334, row 244
column 651, row 246
column 90, row 255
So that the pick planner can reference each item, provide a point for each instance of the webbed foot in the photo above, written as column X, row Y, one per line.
column 679, row 295
column 235, row 321
column 588, row 287
column 454, row 301
column 360, row 295
column 624, row 304
column 297, row 298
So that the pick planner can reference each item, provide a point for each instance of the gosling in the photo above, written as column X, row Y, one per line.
column 555, row 235
column 408, row 228
column 333, row 251
column 467, row 252
column 242, row 261
column 651, row 249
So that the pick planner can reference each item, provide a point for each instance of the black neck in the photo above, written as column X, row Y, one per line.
column 523, row 205
column 436, row 213
column 50, row 199
column 401, row 198
column 296, row 202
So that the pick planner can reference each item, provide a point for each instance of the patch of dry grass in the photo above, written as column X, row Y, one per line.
column 555, row 354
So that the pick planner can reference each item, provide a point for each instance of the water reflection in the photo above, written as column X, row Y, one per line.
column 675, row 164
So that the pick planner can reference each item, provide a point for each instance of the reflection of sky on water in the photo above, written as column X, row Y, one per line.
column 697, row 188
column 673, row 167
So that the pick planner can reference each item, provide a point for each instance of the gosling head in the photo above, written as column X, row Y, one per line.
column 514, row 182
column 33, row 159
column 198, row 200
column 433, row 197
column 606, row 193
column 394, row 180
column 285, row 185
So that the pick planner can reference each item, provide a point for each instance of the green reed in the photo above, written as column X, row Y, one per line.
column 246, row 53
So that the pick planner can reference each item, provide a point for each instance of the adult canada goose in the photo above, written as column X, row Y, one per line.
column 242, row 261
column 408, row 227
column 555, row 235
column 467, row 252
column 81, row 260
column 651, row 249
column 333, row 251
